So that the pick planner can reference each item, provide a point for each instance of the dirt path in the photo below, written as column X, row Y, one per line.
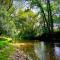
column 18, row 55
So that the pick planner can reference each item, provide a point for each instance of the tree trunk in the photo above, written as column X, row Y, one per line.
column 50, row 19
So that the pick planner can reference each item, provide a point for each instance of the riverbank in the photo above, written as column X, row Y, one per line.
column 49, row 37
column 12, row 52
column 8, row 51
column 27, row 48
column 18, row 55
column 30, row 50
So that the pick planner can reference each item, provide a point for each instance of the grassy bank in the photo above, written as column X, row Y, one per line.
column 6, row 49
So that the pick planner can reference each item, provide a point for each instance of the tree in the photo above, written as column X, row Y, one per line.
column 25, row 23
column 50, row 19
column 6, row 4
column 7, row 25
column 47, row 12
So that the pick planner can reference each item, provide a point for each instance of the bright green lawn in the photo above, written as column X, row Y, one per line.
column 6, row 49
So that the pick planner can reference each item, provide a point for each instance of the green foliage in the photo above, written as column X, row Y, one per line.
column 11, row 10
column 5, row 39
column 4, row 42
column 26, row 21
column 6, row 49
column 7, row 25
column 19, row 23
column 6, row 52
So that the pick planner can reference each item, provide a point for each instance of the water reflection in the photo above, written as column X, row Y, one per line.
column 47, row 51
column 50, row 51
column 41, row 51
column 57, row 51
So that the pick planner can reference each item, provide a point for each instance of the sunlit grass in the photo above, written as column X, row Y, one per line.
column 6, row 49
column 6, row 52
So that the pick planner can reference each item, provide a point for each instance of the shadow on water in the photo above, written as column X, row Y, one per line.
column 41, row 50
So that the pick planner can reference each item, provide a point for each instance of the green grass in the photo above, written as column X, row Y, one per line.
column 4, row 42
column 6, row 52
column 6, row 49
column 5, row 39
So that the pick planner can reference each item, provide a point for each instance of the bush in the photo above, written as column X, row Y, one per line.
column 3, row 44
column 5, row 39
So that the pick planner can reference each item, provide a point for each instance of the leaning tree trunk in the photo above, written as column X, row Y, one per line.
column 45, row 22
column 50, row 18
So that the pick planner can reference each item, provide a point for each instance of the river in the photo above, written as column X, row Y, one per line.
column 41, row 51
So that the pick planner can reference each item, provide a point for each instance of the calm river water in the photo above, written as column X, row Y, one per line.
column 41, row 51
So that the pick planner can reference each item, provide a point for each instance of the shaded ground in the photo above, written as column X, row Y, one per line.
column 18, row 55
column 27, row 51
